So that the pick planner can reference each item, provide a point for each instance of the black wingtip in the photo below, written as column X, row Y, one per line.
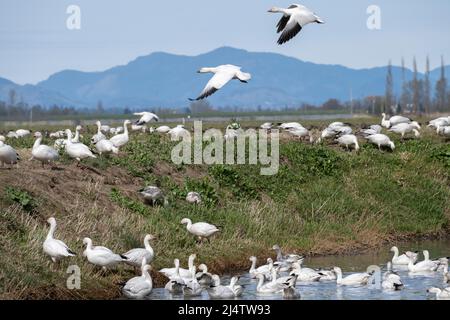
column 190, row 99
column 71, row 252
column 123, row 257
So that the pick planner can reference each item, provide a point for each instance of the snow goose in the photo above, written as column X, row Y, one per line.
column 176, row 282
column 443, row 131
column 184, row 273
column 139, row 287
column 105, row 128
column 422, row 266
column 222, row 75
column 304, row 274
column 300, row 133
column 373, row 129
column 77, row 151
column 101, row 256
column 142, row 128
column 266, row 126
column 404, row 128
column 59, row 144
column 123, row 138
column 7, row 154
column 264, row 269
column 135, row 256
column 76, row 139
column 43, row 153
column 12, row 134
column 99, row 135
column 391, row 280
column 204, row 277
column 153, row 195
column 146, row 117
column 347, row 141
column 441, row 294
column 178, row 132
column 290, row 293
column 327, row 275
column 395, row 120
column 57, row 134
column 290, row 125
column 404, row 258
column 202, row 230
column 192, row 288
column 194, row 197
column 237, row 289
column 22, row 133
column 55, row 249
column 295, row 17
column 269, row 287
column 446, row 274
column 442, row 121
column 162, row 129
column 352, row 279
column 106, row 146
column 217, row 291
column 381, row 140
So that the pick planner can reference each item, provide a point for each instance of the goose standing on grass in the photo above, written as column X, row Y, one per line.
column 101, row 256
column 12, row 134
column 266, row 126
column 139, row 287
column 300, row 133
column 162, row 129
column 442, row 121
column 404, row 128
column 106, row 146
column 295, row 17
column 348, row 140
column 123, row 138
column 153, row 195
column 22, row 133
column 55, row 249
column 441, row 294
column 393, row 121
column 354, row 279
column 204, row 277
column 194, row 198
column 8, row 155
column 184, row 273
column 176, row 282
column 146, row 117
column 222, row 75
column 77, row 151
column 201, row 230
column 99, row 135
column 105, row 128
column 391, row 280
column 178, row 132
column 404, row 258
column 372, row 130
column 443, row 131
column 381, row 140
column 136, row 256
column 43, row 153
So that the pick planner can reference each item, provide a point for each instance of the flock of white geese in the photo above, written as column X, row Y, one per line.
column 109, row 140
column 279, row 277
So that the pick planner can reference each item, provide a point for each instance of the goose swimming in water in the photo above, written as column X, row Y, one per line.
column 222, row 75
column 404, row 258
column 43, row 153
column 269, row 287
column 217, row 291
column 176, row 282
column 353, row 279
column 136, row 256
column 294, row 19
column 184, row 273
column 101, row 256
column 55, row 249
column 304, row 274
column 192, row 288
column 202, row 230
column 204, row 277
column 422, row 266
column 441, row 294
column 139, row 287
column 290, row 293
column 391, row 280
column 146, row 117
column 264, row 269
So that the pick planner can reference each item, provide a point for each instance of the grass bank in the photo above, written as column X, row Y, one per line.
column 323, row 201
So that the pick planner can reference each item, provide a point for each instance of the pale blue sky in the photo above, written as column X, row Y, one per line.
column 36, row 43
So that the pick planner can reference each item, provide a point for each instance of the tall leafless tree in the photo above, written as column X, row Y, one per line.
column 441, row 90
column 427, row 89
column 389, row 95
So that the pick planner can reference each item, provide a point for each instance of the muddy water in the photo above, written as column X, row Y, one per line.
column 416, row 285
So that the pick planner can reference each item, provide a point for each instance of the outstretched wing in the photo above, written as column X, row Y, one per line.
column 217, row 81
column 290, row 31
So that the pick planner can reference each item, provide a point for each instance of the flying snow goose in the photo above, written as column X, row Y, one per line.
column 99, row 135
column 22, row 133
column 139, row 287
column 381, row 140
column 295, row 17
column 404, row 128
column 55, row 249
column 348, row 140
column 101, row 256
column 135, row 256
column 146, row 117
column 184, row 273
column 202, row 230
column 8, row 155
column 106, row 146
column 77, row 151
column 391, row 280
column 352, row 279
column 441, row 294
column 43, row 153
column 123, row 138
column 193, row 197
column 404, row 258
column 222, row 75
column 395, row 120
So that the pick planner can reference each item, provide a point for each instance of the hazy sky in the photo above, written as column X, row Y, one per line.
column 35, row 42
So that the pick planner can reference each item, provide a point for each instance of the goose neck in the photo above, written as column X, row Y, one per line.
column 51, row 231
column 37, row 143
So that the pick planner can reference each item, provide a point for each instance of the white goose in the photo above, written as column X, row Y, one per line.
column 99, row 135
column 43, row 153
column 381, row 140
column 146, row 117
column 22, row 133
column 204, row 277
column 176, row 282
column 101, row 256
column 304, row 274
column 106, row 146
column 136, row 256
column 348, row 141
column 391, row 280
column 443, row 131
column 76, row 139
column 442, row 121
column 12, row 134
column 8, row 155
column 290, row 125
column 373, row 129
column 266, row 126
column 192, row 288
column 77, row 151
column 162, row 129
column 441, row 294
column 295, row 17
column 269, row 287
column 193, row 197
column 422, row 266
column 353, row 279
column 2, row 138
column 217, row 291
column 184, row 273
column 395, row 120
column 123, row 138
column 222, row 75
column 404, row 128
column 404, row 258
column 446, row 274
column 139, row 287
column 178, row 132
column 202, row 230
column 264, row 269
column 55, row 249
